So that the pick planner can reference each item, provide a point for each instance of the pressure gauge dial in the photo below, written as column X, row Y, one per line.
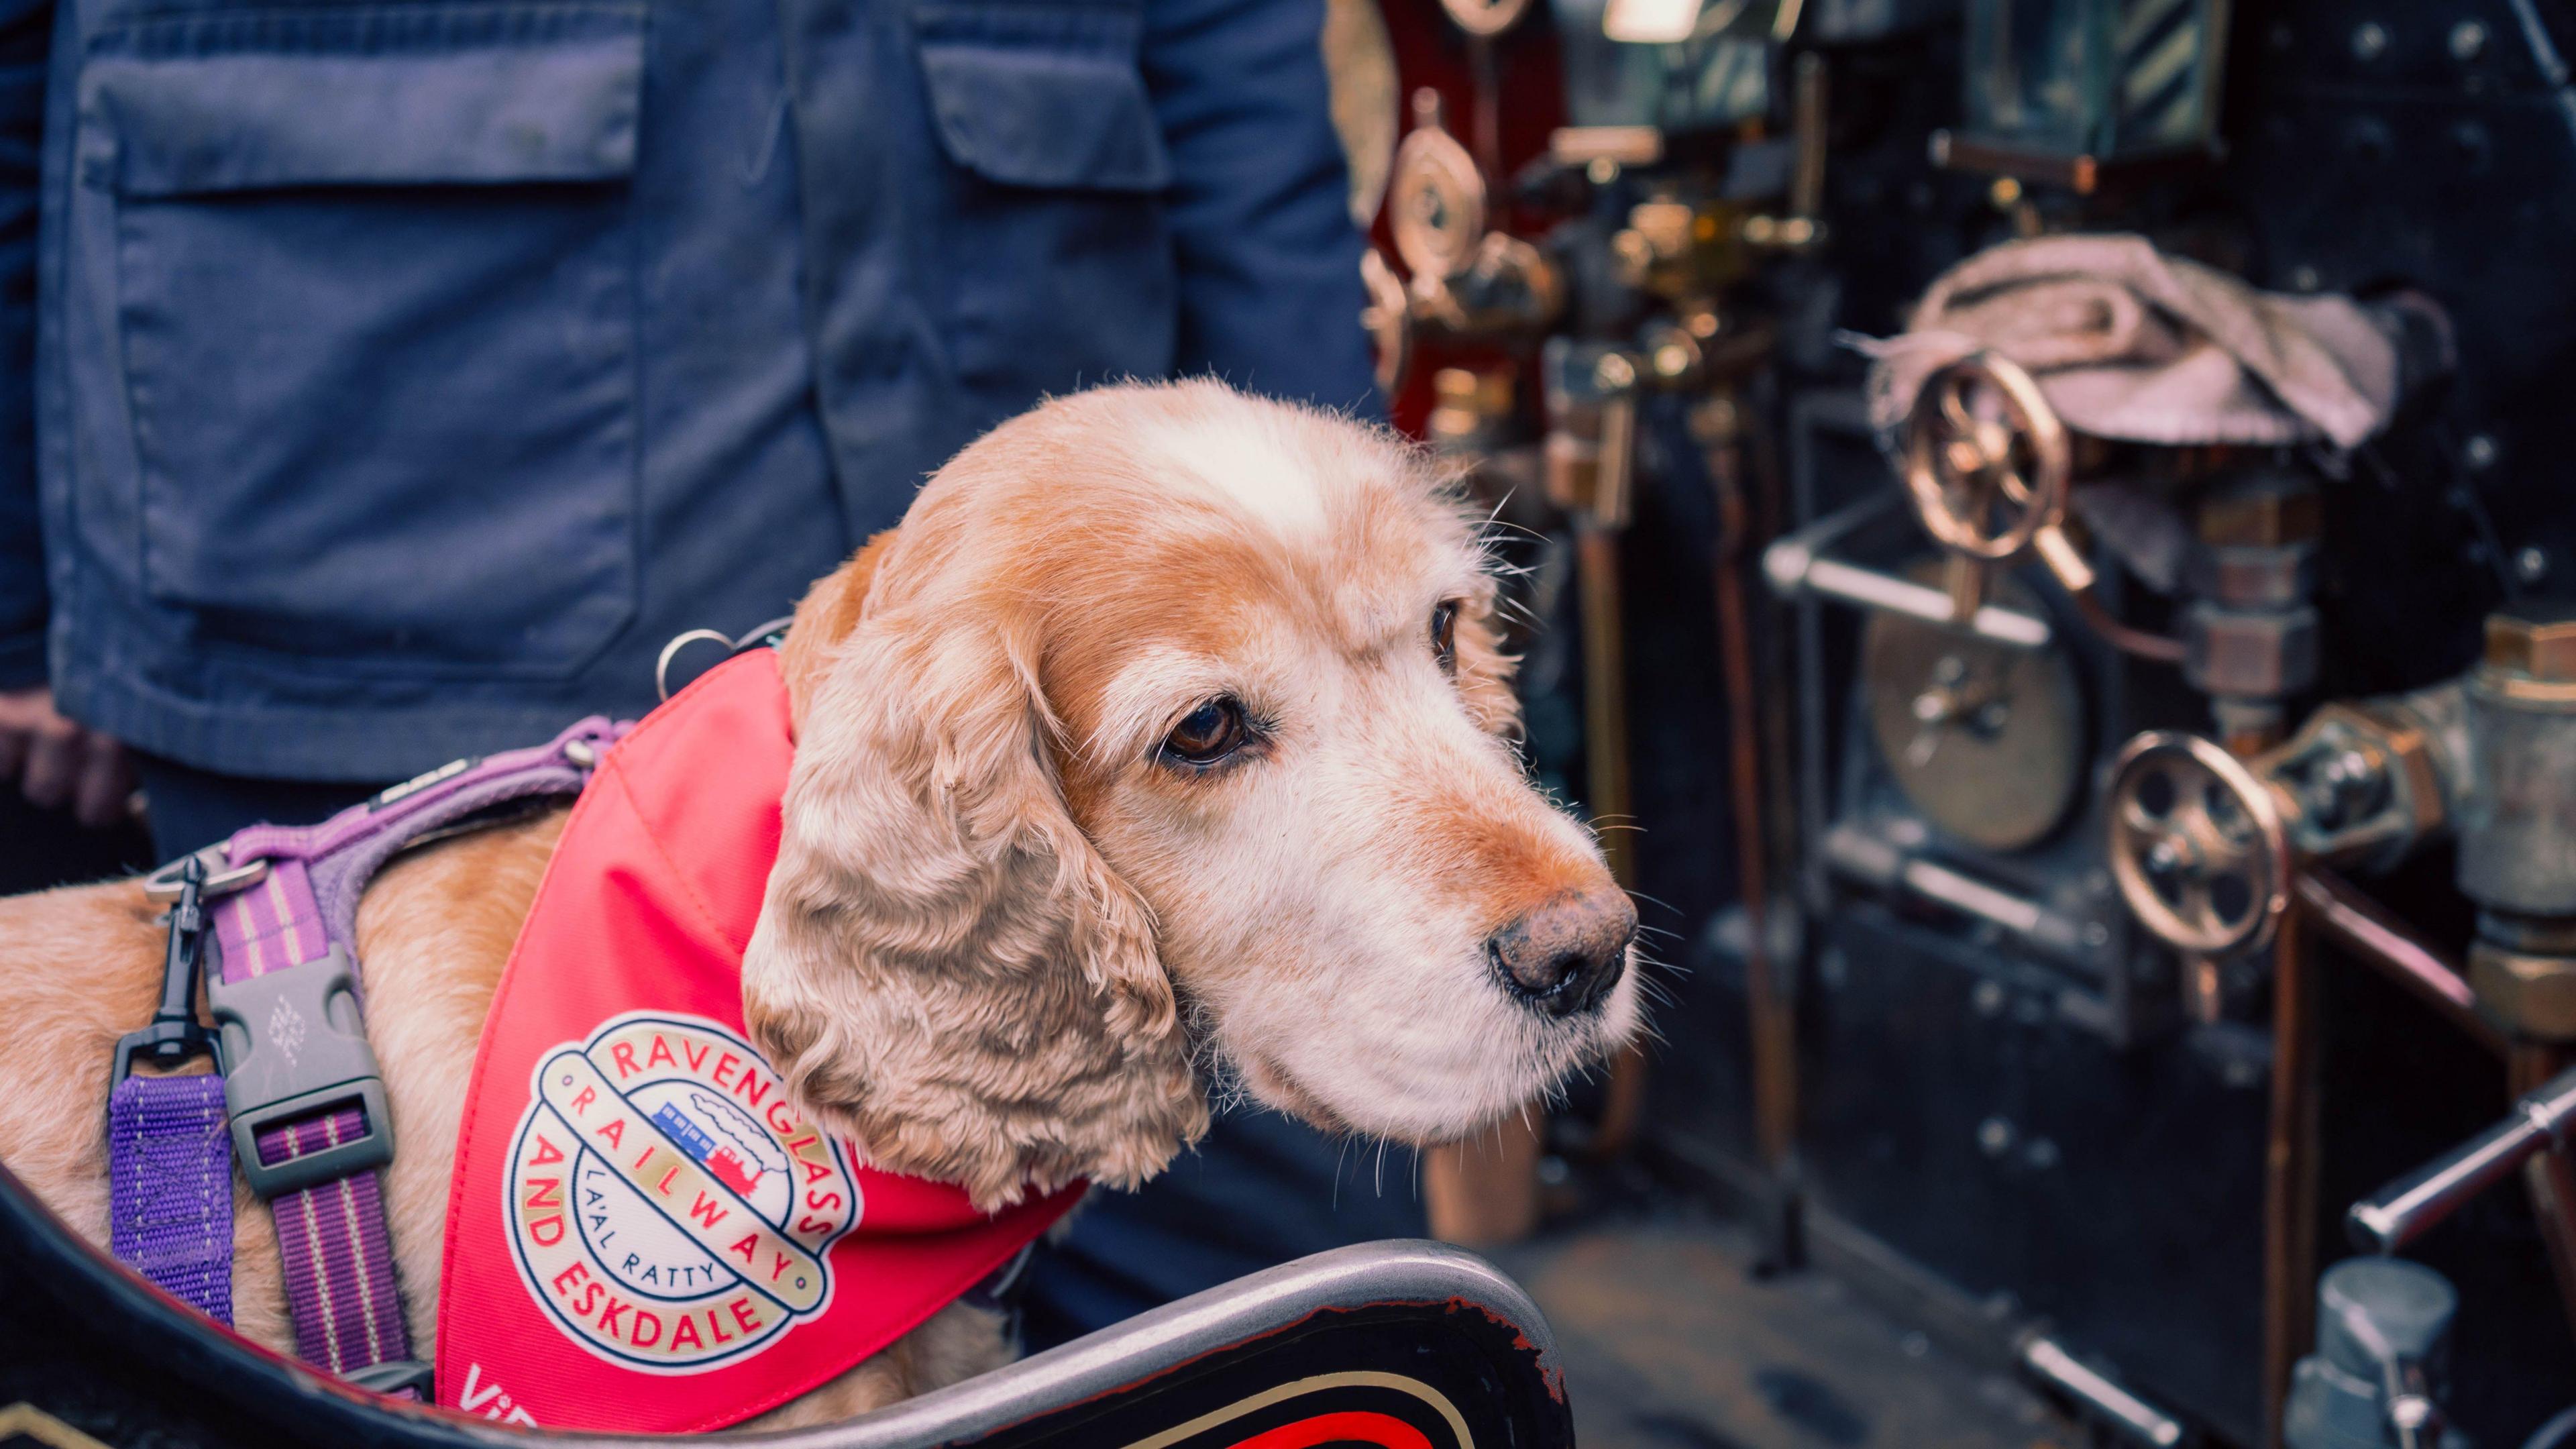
column 1986, row 739
column 1437, row 196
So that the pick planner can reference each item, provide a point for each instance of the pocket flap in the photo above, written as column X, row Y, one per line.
column 390, row 96
column 1042, row 95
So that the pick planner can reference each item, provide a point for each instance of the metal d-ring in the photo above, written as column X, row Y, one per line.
column 767, row 632
column 671, row 651
column 163, row 886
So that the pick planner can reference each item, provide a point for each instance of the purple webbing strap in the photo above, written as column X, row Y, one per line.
column 332, row 1245
column 345, row 851
column 337, row 1258
column 335, row 1252
column 170, row 1188
column 271, row 925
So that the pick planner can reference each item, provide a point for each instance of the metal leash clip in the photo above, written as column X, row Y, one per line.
column 174, row 1034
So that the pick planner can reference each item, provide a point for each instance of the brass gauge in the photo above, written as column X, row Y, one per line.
column 1437, row 197
column 1986, row 739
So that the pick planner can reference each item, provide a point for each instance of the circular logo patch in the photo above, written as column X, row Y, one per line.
column 665, row 1203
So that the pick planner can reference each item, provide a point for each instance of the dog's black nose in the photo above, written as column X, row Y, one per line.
column 1564, row 956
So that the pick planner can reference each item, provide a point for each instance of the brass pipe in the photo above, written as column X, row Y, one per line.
column 2391, row 947
column 1605, row 735
column 1485, row 114
column 1605, row 705
column 1809, row 107
column 1768, row 1002
column 2155, row 648
column 2290, row 1170
column 2289, row 1154
column 2548, row 1176
column 1780, row 762
column 1591, row 455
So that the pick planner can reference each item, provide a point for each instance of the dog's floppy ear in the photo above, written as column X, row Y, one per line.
column 826, row 617
column 945, row 970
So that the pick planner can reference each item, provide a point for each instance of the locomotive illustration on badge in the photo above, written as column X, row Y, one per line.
column 665, row 1203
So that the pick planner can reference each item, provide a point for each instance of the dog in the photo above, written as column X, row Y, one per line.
column 1164, row 748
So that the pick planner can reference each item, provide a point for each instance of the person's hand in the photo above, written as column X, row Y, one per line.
column 55, row 762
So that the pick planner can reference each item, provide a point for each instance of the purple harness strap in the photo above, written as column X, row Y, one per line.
column 308, row 1122
column 170, row 1188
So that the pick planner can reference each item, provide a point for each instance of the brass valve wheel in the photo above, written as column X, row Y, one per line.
column 1986, row 459
column 2197, row 845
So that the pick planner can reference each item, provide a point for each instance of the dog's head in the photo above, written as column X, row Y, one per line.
column 1169, row 725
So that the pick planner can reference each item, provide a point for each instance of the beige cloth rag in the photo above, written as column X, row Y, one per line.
column 2132, row 344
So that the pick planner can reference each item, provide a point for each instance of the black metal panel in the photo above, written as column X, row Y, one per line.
column 2110, row 1193
column 2415, row 165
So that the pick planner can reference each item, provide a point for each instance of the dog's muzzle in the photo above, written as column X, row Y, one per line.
column 1564, row 957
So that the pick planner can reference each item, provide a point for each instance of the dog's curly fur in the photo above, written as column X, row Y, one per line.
column 1006, row 935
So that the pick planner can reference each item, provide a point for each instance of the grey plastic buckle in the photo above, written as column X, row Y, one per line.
column 292, row 1045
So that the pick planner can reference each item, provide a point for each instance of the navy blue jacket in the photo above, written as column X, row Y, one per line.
column 405, row 374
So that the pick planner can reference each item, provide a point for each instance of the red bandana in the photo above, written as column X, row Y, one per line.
column 643, row 1234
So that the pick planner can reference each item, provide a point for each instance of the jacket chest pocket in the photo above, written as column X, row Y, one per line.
column 1059, row 267
column 374, row 287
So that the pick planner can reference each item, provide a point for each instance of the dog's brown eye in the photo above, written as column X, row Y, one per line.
column 1444, row 635
column 1208, row 733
